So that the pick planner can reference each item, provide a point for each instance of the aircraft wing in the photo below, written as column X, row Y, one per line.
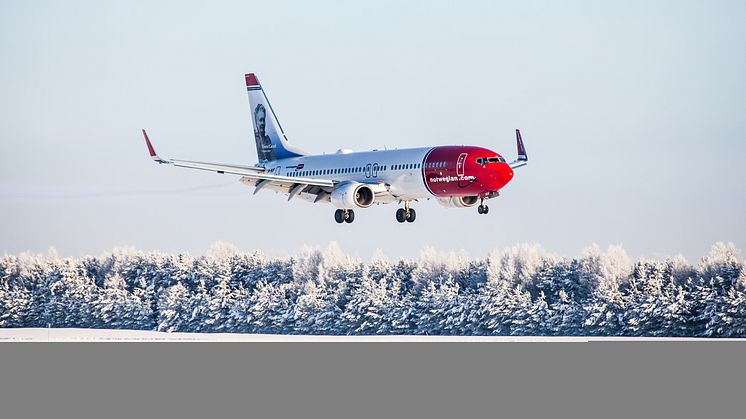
column 256, row 175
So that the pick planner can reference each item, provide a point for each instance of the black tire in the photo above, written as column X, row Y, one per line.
column 486, row 209
column 411, row 216
column 339, row 216
column 480, row 209
column 401, row 215
column 350, row 216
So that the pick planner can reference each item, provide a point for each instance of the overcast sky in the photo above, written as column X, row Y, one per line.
column 633, row 115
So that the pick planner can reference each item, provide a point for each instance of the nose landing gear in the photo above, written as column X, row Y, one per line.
column 342, row 216
column 482, row 209
column 406, row 214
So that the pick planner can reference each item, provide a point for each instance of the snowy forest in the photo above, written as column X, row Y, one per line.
column 522, row 290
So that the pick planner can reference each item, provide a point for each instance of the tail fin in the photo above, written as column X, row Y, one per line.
column 271, row 142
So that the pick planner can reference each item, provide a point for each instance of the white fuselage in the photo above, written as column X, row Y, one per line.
column 400, row 170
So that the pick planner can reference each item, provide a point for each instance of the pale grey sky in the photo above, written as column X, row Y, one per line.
column 632, row 114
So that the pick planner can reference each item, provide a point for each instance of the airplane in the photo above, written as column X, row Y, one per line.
column 457, row 176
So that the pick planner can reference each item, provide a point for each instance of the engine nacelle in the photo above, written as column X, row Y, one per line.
column 352, row 194
column 459, row 201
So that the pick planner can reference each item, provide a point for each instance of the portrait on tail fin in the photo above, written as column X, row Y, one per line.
column 265, row 149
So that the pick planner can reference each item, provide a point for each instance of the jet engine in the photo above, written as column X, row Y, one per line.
column 459, row 201
column 352, row 194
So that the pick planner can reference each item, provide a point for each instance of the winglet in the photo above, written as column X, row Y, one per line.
column 522, row 159
column 522, row 156
column 151, row 150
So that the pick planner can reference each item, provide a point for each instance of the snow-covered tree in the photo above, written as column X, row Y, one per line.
column 174, row 309
column 517, row 264
column 72, row 298
column 118, row 308
column 521, row 290
column 16, row 304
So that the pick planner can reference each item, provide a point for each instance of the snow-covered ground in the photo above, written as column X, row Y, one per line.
column 107, row 335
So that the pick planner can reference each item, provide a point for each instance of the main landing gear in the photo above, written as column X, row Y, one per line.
column 342, row 216
column 406, row 214
column 482, row 209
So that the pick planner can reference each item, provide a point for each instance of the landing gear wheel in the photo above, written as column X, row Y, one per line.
column 486, row 209
column 401, row 215
column 349, row 216
column 480, row 209
column 411, row 215
column 339, row 216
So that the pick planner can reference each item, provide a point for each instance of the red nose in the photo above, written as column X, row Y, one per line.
column 501, row 175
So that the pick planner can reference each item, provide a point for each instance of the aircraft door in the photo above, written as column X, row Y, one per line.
column 368, row 170
column 375, row 169
column 460, row 164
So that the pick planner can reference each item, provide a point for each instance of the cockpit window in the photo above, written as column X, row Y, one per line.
column 488, row 160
